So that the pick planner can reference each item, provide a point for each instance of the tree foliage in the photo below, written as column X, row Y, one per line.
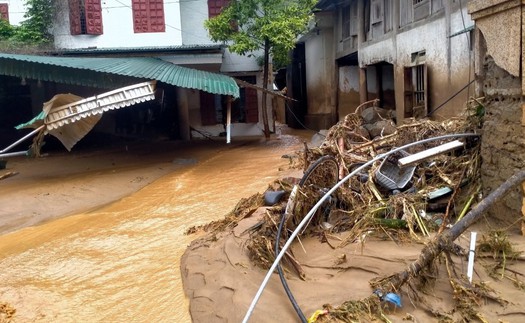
column 35, row 29
column 245, row 25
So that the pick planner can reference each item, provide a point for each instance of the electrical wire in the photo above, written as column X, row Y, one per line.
column 299, row 121
column 450, row 98
column 468, row 46
column 323, row 199
column 311, row 169
column 281, row 275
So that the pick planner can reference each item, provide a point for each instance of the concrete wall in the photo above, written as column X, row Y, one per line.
column 118, row 28
column 17, row 10
column 449, row 60
column 321, row 81
column 348, row 92
column 503, row 144
column 499, row 76
column 232, row 63
column 193, row 14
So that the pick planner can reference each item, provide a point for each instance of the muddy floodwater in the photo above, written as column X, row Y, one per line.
column 120, row 263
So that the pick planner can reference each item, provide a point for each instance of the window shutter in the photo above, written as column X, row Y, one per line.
column 377, row 11
column 421, row 9
column 4, row 11
column 215, row 7
column 148, row 16
column 75, row 25
column 93, row 17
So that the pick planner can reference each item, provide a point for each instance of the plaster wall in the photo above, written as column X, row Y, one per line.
column 232, row 63
column 448, row 59
column 348, row 92
column 193, row 14
column 17, row 10
column 118, row 31
column 319, row 74
column 503, row 144
column 381, row 51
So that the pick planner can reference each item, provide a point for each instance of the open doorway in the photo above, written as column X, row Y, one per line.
column 380, row 83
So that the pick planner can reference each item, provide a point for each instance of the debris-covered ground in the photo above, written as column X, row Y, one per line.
column 390, row 198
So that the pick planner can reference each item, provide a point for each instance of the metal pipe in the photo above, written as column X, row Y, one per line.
column 18, row 153
column 22, row 139
column 321, row 201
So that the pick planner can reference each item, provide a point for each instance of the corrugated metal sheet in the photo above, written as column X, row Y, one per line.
column 69, row 117
column 61, row 115
column 113, row 72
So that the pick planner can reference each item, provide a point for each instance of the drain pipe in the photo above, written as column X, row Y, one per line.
column 324, row 198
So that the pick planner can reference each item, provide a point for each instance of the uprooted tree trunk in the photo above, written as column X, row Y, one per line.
column 445, row 239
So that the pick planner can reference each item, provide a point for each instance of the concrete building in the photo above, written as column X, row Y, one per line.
column 13, row 11
column 414, row 56
column 172, row 31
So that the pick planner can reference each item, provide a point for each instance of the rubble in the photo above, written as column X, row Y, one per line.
column 425, row 196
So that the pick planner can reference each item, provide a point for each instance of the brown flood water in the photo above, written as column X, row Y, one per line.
column 120, row 263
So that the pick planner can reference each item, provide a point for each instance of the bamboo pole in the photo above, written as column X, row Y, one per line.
column 444, row 240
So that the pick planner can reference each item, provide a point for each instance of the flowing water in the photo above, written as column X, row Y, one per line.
column 120, row 263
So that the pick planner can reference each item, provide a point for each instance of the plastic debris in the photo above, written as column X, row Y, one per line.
column 272, row 197
column 388, row 297
column 316, row 315
column 393, row 298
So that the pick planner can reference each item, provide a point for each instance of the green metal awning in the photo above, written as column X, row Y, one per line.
column 111, row 73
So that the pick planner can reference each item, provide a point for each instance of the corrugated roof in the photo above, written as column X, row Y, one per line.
column 113, row 72
column 140, row 50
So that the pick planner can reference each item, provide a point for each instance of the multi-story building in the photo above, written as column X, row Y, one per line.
column 170, row 31
column 415, row 56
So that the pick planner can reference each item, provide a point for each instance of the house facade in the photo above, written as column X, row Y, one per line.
column 12, row 11
column 415, row 56
column 172, row 31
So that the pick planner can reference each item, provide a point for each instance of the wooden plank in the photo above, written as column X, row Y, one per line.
column 429, row 153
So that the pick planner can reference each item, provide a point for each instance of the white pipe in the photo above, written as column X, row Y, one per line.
column 22, row 139
column 471, row 254
column 321, row 201
column 228, row 119
column 18, row 153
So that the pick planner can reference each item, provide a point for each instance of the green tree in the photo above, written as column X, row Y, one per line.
column 269, row 25
column 39, row 18
column 33, row 33
column 6, row 30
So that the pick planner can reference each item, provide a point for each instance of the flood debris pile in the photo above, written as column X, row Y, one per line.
column 399, row 197
column 384, row 198
column 424, row 192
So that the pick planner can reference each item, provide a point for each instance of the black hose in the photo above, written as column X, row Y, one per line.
column 281, row 275
column 305, row 177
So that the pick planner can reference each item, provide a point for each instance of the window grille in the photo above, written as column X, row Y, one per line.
column 85, row 17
